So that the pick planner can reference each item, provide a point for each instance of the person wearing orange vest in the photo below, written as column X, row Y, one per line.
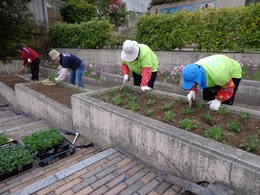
column 143, row 63
column 30, row 56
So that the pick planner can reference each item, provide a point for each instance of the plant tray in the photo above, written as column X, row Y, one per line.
column 16, row 171
column 54, row 154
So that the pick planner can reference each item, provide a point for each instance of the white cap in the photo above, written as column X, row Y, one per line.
column 54, row 54
column 130, row 51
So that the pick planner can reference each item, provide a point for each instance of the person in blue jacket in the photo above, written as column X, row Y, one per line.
column 68, row 61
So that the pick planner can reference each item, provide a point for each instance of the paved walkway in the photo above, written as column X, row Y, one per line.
column 88, row 171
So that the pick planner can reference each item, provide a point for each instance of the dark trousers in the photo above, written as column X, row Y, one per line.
column 35, row 69
column 138, row 79
column 210, row 93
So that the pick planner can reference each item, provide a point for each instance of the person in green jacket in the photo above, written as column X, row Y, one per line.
column 217, row 75
column 143, row 63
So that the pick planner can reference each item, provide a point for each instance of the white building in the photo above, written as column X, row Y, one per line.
column 137, row 5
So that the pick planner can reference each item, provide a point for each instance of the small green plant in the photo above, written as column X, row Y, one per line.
column 133, row 105
column 186, row 110
column 223, row 110
column 234, row 126
column 52, row 78
column 116, row 100
column 97, row 94
column 3, row 138
column 252, row 145
column 112, row 91
column 169, row 116
column 181, row 99
column 207, row 118
column 187, row 125
column 149, row 112
column 149, row 102
column 244, row 115
column 126, row 89
column 149, row 94
column 199, row 104
column 167, row 106
column 107, row 98
column 215, row 133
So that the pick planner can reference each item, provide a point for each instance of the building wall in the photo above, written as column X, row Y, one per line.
column 194, row 3
column 39, row 9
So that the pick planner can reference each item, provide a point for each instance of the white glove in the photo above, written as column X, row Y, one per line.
column 126, row 77
column 57, row 80
column 29, row 60
column 191, row 96
column 214, row 104
column 145, row 88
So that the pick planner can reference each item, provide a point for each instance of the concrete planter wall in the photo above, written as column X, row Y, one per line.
column 39, row 106
column 169, row 149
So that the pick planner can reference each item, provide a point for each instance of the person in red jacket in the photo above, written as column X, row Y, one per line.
column 30, row 56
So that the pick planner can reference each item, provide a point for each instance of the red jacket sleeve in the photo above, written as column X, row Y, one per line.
column 28, row 53
column 226, row 91
column 194, row 88
column 146, row 76
column 125, row 69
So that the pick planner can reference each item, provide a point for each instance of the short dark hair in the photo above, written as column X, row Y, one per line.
column 19, row 46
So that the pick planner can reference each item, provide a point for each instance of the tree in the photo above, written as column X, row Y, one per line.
column 77, row 11
column 117, row 12
column 15, row 20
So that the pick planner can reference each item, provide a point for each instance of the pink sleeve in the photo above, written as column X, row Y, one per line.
column 63, row 73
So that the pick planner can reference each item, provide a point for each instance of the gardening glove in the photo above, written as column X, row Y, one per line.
column 29, row 60
column 126, row 77
column 145, row 88
column 57, row 80
column 191, row 96
column 214, row 104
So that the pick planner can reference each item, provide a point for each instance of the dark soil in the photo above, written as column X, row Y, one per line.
column 197, row 116
column 11, row 80
column 55, row 92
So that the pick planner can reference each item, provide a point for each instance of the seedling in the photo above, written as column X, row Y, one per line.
column 187, row 125
column 52, row 78
column 186, row 110
column 234, row 126
column 149, row 94
column 133, row 105
column 244, row 115
column 126, row 89
column 112, row 91
column 253, row 144
column 149, row 102
column 182, row 100
column 116, row 100
column 167, row 106
column 169, row 115
column 3, row 138
column 207, row 118
column 107, row 98
column 215, row 133
column 149, row 112
column 223, row 110
column 199, row 105
column 97, row 94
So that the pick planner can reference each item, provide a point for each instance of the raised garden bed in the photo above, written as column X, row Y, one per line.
column 14, row 159
column 240, row 130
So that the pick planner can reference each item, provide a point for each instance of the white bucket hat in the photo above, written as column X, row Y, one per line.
column 130, row 51
column 54, row 54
